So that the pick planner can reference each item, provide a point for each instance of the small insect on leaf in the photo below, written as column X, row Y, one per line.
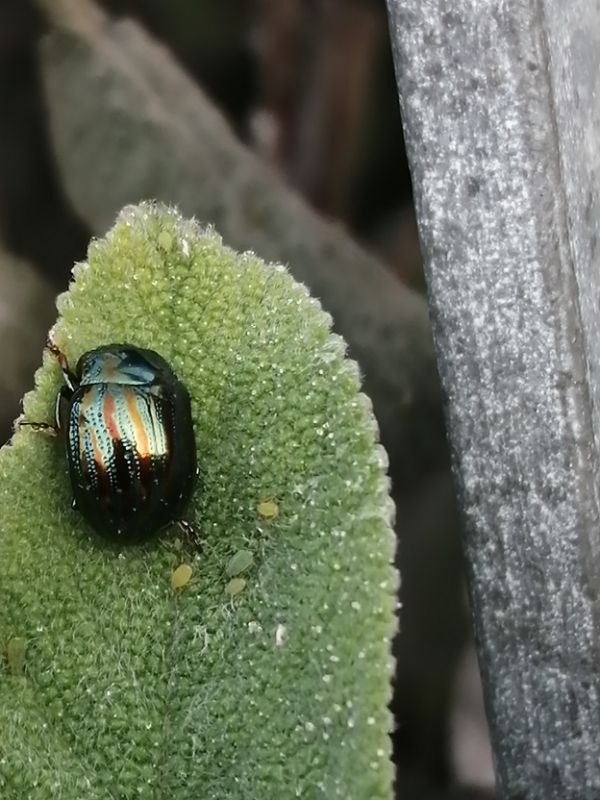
column 181, row 576
column 235, row 586
column 124, row 390
column 268, row 509
column 16, row 649
column 239, row 563
column 165, row 240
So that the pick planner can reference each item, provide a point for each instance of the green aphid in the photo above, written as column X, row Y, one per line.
column 268, row 509
column 235, row 586
column 165, row 240
column 181, row 576
column 239, row 563
column 16, row 650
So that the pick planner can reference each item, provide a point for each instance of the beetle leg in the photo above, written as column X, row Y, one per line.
column 42, row 427
column 190, row 533
column 68, row 374
column 60, row 411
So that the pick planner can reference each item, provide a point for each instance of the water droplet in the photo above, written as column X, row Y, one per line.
column 280, row 635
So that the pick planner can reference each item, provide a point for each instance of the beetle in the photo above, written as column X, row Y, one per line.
column 129, row 439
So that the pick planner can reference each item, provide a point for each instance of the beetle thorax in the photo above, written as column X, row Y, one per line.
column 118, row 367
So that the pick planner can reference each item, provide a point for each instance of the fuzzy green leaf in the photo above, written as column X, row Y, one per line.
column 134, row 686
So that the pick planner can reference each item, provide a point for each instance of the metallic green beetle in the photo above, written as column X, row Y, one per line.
column 129, row 439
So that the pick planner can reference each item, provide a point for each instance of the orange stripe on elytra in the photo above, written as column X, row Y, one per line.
column 141, row 438
column 97, row 452
column 108, row 413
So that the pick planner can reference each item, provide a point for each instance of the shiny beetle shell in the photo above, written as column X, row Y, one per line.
column 130, row 441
